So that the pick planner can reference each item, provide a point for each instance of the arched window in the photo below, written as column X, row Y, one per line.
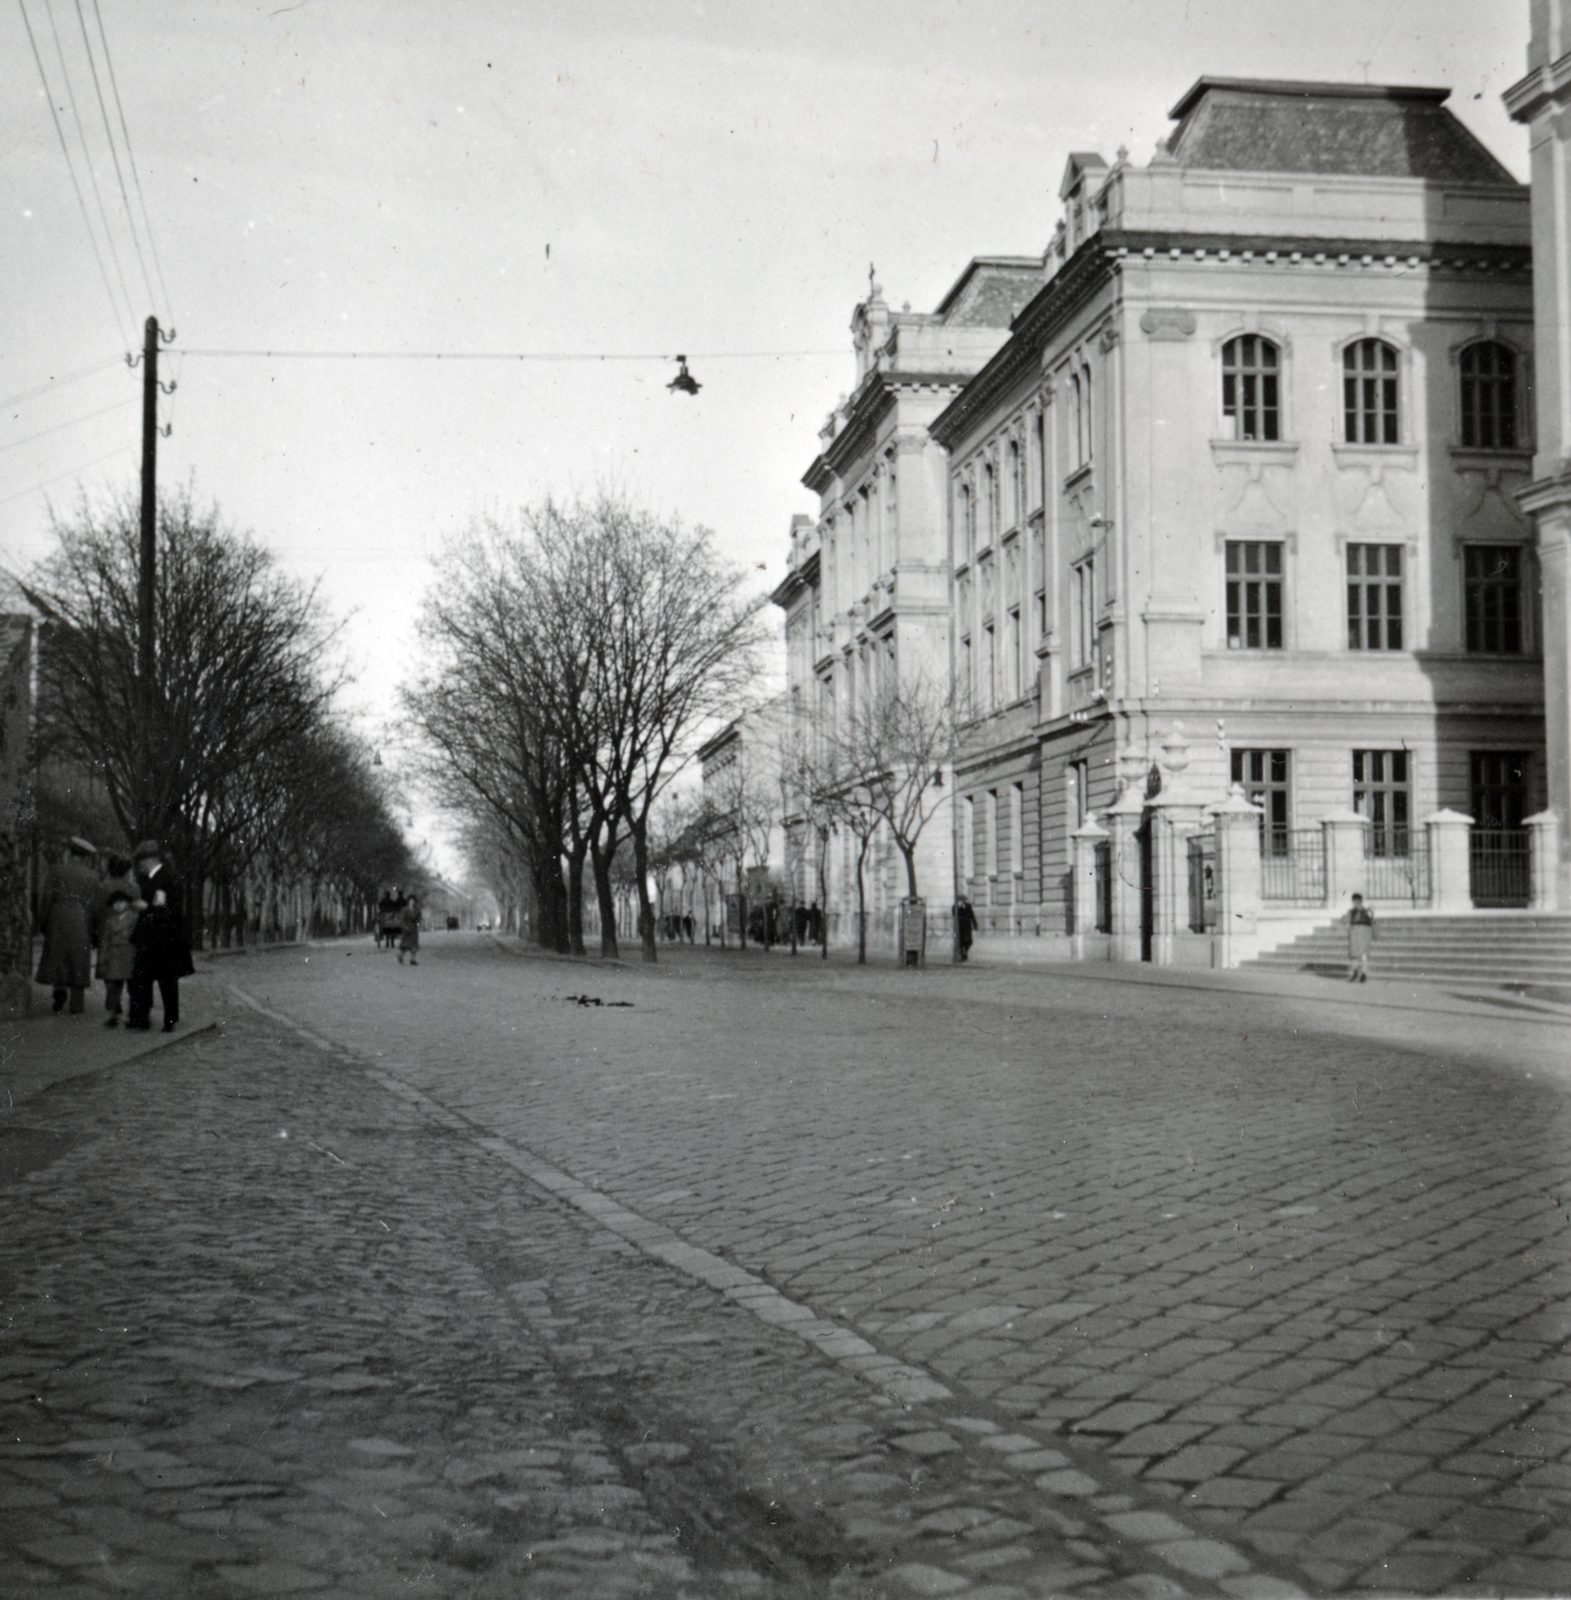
column 1369, row 393
column 1249, row 387
column 1488, row 397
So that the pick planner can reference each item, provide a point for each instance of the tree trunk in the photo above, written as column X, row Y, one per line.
column 575, row 899
column 601, row 849
column 741, row 906
column 861, row 902
column 823, row 896
column 646, row 911
column 909, row 853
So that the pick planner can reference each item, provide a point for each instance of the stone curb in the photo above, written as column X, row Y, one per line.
column 1195, row 1554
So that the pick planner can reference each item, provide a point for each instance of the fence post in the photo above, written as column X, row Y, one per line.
column 1123, row 825
column 1238, row 867
column 1346, row 835
column 1543, row 860
column 1086, row 837
column 1450, row 863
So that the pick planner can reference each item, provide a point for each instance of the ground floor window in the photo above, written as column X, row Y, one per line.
column 1499, row 786
column 1381, row 793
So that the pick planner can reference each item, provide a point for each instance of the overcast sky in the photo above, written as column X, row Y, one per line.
column 575, row 178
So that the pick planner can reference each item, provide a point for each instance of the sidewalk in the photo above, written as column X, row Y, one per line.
column 43, row 1048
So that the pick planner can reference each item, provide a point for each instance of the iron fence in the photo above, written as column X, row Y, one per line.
column 1396, row 865
column 1202, row 882
column 1500, row 862
column 1293, row 864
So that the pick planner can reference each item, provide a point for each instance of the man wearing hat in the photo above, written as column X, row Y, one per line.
column 64, row 913
column 163, row 953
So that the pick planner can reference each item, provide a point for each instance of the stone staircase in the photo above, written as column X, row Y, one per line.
column 1494, row 949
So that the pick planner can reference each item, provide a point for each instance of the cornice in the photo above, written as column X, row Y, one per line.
column 1542, row 89
column 1113, row 251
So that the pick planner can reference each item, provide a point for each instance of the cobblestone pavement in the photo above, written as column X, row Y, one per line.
column 276, row 1323
column 1289, row 1275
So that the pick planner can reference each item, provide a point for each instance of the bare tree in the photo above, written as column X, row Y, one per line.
column 225, row 739
column 893, row 750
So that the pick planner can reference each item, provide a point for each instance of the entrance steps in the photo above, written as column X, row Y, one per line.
column 1496, row 948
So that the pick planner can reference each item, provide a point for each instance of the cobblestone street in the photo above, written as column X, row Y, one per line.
column 782, row 1278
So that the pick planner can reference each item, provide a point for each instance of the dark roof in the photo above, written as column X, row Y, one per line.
column 1367, row 130
column 991, row 290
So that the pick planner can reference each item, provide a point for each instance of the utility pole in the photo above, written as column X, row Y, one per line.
column 146, row 567
column 144, row 594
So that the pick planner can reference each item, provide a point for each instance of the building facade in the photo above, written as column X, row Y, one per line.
column 867, row 593
column 1235, row 503
column 1542, row 100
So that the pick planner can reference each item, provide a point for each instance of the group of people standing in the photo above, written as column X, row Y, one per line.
column 398, row 923
column 132, row 915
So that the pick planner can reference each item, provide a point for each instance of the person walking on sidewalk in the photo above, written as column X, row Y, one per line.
column 163, row 953
column 65, row 914
column 965, row 927
column 409, row 939
column 114, row 923
column 1360, row 935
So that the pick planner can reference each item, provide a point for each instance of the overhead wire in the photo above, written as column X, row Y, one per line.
column 136, row 178
column 114, row 153
column 517, row 355
column 69, row 473
column 119, row 405
column 55, row 384
column 92, row 171
column 65, row 150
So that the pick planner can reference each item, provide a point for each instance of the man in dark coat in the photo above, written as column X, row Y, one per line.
column 65, row 911
column 965, row 927
column 163, row 953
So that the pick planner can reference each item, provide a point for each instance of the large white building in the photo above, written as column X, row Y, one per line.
column 1234, row 502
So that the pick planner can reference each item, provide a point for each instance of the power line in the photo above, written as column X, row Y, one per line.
column 125, row 133
column 60, row 383
column 515, row 355
column 69, row 473
column 65, row 150
column 92, row 171
column 14, row 444
column 114, row 154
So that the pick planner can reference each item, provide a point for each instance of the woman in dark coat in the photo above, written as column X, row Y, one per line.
column 163, row 953
column 65, row 913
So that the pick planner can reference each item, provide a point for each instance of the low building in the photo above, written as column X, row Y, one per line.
column 1235, row 503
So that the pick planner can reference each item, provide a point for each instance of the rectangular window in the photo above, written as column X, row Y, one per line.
column 990, row 664
column 1493, row 578
column 1374, row 597
column 967, row 686
column 1082, row 582
column 1380, row 792
column 990, row 839
column 1499, row 788
column 968, row 838
column 1012, row 644
column 1264, row 777
column 1254, row 596
column 1017, row 810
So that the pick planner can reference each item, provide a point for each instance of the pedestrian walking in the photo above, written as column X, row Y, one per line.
column 1360, row 935
column 409, row 935
column 965, row 927
column 120, row 906
column 163, row 952
column 65, row 914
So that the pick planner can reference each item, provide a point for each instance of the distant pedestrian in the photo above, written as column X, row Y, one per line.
column 114, row 922
column 387, row 924
column 687, row 925
column 1360, row 935
column 965, row 927
column 65, row 914
column 409, row 935
column 163, row 952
